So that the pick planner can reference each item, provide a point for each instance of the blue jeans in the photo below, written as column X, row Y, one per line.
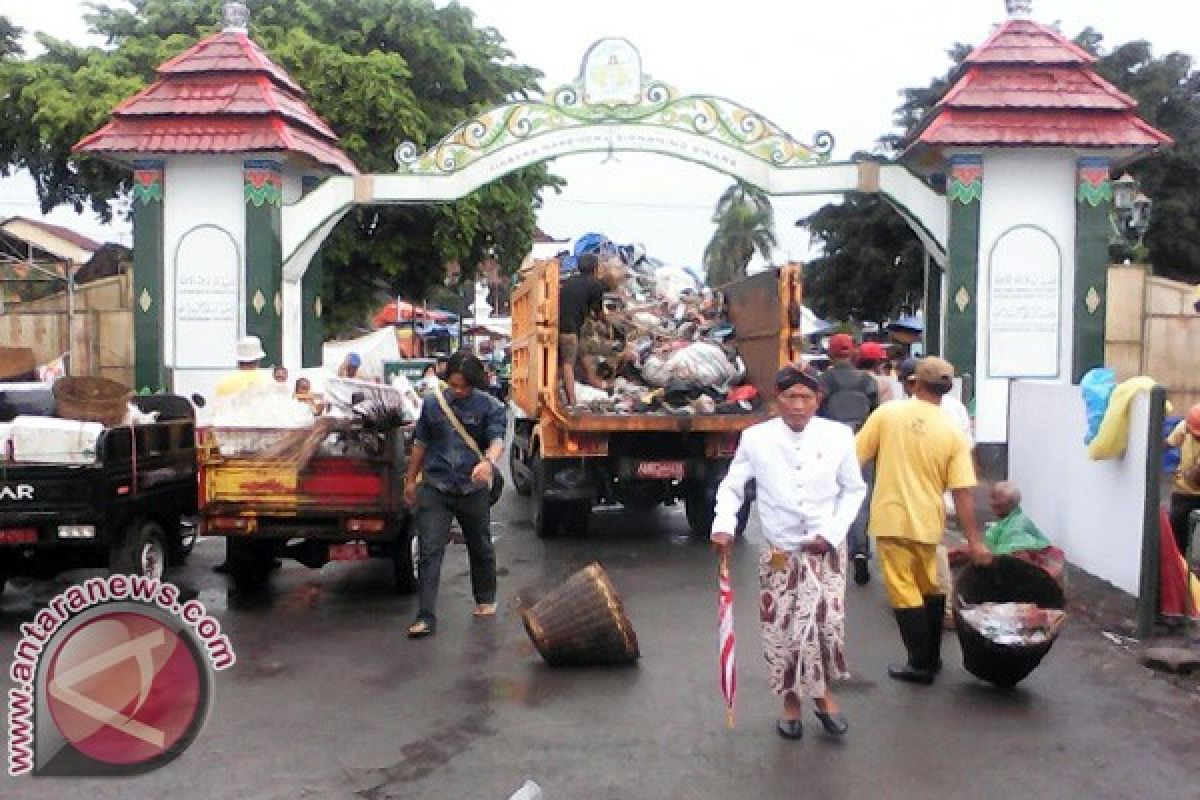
column 434, row 512
column 857, row 540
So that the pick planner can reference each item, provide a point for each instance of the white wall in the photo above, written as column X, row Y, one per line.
column 200, row 190
column 1022, row 187
column 1093, row 510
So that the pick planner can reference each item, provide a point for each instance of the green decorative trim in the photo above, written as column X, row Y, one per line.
column 263, row 190
column 965, row 193
column 962, row 280
column 148, row 274
column 612, row 89
column 1092, row 232
column 148, row 181
column 1094, row 195
column 263, row 183
column 965, row 183
column 268, row 194
column 1095, row 185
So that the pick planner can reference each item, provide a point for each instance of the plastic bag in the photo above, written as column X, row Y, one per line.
column 1097, row 386
column 701, row 365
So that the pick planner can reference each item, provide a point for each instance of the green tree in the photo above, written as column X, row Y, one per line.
column 872, row 266
column 1168, row 93
column 745, row 226
column 378, row 71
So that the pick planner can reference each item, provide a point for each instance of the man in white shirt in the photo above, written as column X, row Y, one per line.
column 809, row 489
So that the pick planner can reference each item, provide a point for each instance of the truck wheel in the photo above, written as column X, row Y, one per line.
column 403, row 562
column 249, row 564
column 699, row 510
column 520, row 482
column 575, row 518
column 547, row 515
column 142, row 551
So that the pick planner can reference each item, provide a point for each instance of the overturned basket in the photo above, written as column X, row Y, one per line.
column 582, row 623
column 89, row 399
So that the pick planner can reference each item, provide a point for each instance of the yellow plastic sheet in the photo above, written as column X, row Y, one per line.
column 1113, row 436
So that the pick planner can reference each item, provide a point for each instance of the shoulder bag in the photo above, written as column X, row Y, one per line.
column 497, row 488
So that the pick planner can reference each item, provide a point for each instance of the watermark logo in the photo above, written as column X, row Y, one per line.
column 114, row 677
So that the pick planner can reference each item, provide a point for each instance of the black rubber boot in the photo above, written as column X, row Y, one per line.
column 914, row 630
column 935, row 612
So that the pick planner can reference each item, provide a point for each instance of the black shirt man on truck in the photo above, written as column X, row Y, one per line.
column 579, row 296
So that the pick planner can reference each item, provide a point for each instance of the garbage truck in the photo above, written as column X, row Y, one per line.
column 569, row 460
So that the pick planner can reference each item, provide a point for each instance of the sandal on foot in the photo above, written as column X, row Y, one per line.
column 420, row 628
column 835, row 724
column 790, row 728
column 484, row 609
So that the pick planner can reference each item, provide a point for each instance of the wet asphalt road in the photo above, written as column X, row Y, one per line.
column 330, row 700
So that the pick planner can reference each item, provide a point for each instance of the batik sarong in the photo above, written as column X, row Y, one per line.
column 802, row 607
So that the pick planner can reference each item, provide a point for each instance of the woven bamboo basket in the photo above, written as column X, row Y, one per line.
column 582, row 623
column 89, row 399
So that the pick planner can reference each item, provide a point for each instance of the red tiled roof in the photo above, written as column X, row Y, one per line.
column 1051, row 127
column 66, row 234
column 227, row 52
column 1035, row 87
column 1023, row 41
column 222, row 95
column 212, row 134
column 1027, row 85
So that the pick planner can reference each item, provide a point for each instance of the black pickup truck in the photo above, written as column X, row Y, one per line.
column 127, row 509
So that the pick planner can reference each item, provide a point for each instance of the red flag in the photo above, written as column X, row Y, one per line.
column 728, row 660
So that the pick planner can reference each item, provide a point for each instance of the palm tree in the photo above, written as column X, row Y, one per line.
column 745, row 225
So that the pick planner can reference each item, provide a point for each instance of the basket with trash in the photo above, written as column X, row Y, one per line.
column 1008, row 614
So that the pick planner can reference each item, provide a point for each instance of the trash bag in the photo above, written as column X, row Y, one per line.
column 1097, row 386
column 701, row 365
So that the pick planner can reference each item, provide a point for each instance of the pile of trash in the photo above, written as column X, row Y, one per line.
column 1013, row 623
column 666, row 344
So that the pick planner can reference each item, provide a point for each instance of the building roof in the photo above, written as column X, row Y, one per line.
column 1027, row 85
column 222, row 95
column 66, row 234
column 1023, row 41
column 57, row 242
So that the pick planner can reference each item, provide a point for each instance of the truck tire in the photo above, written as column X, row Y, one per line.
column 520, row 482
column 577, row 518
column 699, row 510
column 141, row 551
column 547, row 515
column 404, row 569
column 249, row 564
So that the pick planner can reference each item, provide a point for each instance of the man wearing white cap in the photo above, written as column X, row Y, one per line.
column 249, row 355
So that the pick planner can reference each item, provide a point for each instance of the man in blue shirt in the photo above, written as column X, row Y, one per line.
column 455, row 483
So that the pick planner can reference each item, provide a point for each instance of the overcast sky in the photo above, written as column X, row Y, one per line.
column 808, row 66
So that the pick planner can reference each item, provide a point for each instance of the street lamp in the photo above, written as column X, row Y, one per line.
column 1130, row 218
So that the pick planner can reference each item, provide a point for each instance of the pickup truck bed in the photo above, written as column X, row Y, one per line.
column 127, row 510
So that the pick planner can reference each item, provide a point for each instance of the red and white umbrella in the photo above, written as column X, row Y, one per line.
column 728, row 659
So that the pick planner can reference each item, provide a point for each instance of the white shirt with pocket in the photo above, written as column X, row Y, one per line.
column 809, row 483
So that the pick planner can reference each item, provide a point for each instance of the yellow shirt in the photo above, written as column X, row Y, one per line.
column 919, row 454
column 239, row 381
column 1189, row 454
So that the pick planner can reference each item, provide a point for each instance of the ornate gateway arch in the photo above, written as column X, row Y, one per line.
column 612, row 106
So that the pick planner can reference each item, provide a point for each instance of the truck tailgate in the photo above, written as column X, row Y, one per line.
column 327, row 483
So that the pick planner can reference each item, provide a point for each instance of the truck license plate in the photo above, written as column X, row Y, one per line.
column 348, row 551
column 659, row 470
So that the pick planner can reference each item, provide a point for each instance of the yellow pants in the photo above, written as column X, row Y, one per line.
column 909, row 570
